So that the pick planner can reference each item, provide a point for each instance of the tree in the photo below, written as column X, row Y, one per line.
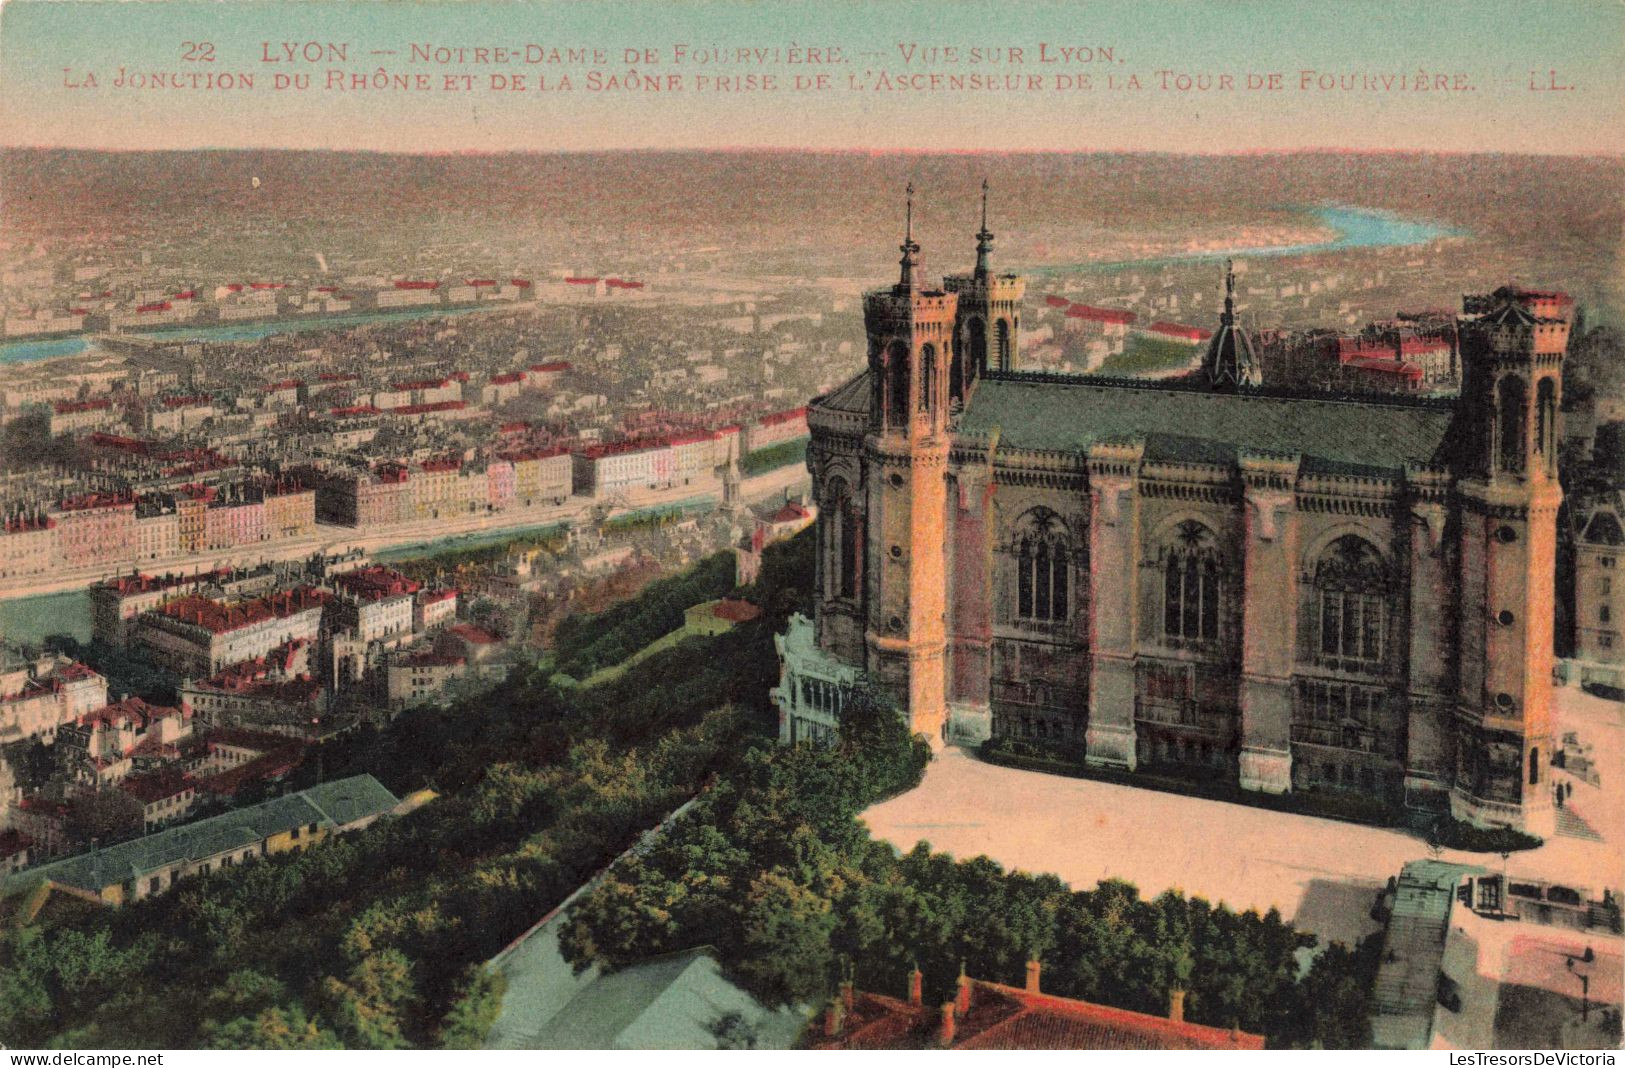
column 106, row 815
column 469, row 1020
column 275, row 1028
column 787, row 955
column 733, row 1031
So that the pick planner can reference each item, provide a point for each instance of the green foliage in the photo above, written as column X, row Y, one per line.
column 471, row 1016
column 783, row 454
column 274, row 1028
column 375, row 940
column 1148, row 355
column 784, row 583
column 585, row 643
column 773, row 869
column 1452, row 833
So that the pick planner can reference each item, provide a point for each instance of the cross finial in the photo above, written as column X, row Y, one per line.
column 910, row 250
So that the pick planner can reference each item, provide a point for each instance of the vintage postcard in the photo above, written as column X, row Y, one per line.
column 776, row 525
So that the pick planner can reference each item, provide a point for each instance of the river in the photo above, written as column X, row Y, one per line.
column 51, row 348
column 1354, row 228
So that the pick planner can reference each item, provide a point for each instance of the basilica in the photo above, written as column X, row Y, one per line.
column 1296, row 591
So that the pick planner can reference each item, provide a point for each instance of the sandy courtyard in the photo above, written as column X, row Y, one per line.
column 1322, row 874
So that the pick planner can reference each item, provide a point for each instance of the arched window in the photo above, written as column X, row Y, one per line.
column 841, row 540
column 1002, row 335
column 976, row 337
column 1534, row 767
column 1509, row 423
column 956, row 371
column 928, row 377
column 1191, row 585
column 1043, row 556
column 1352, row 588
column 1546, row 420
column 897, row 384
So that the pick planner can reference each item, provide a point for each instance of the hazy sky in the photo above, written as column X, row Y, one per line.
column 1493, row 46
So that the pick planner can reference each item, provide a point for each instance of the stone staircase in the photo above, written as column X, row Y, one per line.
column 1572, row 824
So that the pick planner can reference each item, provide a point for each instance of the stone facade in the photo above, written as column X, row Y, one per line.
column 1292, row 591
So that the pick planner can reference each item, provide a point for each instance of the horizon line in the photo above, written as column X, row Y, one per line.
column 1318, row 150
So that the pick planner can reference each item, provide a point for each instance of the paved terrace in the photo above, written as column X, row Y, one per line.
column 1322, row 874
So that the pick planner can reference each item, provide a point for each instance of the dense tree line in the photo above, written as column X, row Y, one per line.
column 774, row 870
column 584, row 643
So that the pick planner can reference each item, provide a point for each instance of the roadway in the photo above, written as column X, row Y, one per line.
column 329, row 538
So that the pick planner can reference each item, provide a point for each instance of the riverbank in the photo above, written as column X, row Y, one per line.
column 31, row 350
column 59, row 603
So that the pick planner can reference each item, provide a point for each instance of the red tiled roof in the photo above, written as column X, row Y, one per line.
column 221, row 618
column 417, row 285
column 1179, row 330
column 472, row 634
column 519, row 283
column 551, row 368
column 774, row 418
column 1056, row 302
column 157, row 305
column 423, row 409
column 71, row 407
column 157, row 786
column 789, row 513
column 1387, row 367
column 1100, row 315
column 735, row 611
column 373, row 583
column 507, row 378
column 1005, row 1017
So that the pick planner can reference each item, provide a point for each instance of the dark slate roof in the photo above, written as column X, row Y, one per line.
column 342, row 802
column 852, row 397
column 1186, row 422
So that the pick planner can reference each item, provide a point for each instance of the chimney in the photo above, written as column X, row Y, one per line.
column 945, row 1032
column 834, row 1020
column 915, row 981
column 962, row 995
column 1034, row 968
column 1176, row 1005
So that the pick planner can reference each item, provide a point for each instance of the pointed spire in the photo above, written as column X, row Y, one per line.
column 1230, row 360
column 984, row 239
column 911, row 251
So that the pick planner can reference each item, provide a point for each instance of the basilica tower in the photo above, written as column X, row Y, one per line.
column 988, row 319
column 910, row 330
column 1513, row 350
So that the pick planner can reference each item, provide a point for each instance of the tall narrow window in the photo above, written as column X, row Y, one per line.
column 897, row 399
column 1511, row 400
column 928, row 377
column 1190, row 585
column 1352, row 585
column 1546, row 420
column 842, row 536
column 1003, row 340
column 1042, row 558
column 976, row 332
